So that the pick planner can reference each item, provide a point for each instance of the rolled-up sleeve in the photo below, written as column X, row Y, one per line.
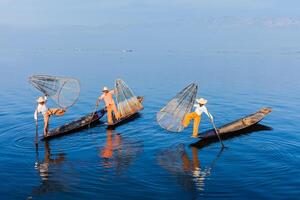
column 112, row 92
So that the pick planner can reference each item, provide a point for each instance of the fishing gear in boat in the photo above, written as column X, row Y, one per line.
column 127, row 102
column 128, row 105
column 62, row 90
column 170, row 116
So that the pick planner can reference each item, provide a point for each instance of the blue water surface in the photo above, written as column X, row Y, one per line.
column 244, row 55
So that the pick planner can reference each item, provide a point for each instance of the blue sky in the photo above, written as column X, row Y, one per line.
column 100, row 12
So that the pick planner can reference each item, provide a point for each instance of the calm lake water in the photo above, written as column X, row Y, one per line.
column 241, row 57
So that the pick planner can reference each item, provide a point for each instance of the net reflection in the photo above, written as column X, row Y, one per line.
column 187, row 169
column 119, row 152
column 44, row 168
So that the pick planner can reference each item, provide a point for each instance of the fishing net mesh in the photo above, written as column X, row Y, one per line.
column 170, row 117
column 64, row 91
column 127, row 102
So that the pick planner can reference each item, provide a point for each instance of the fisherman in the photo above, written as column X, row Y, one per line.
column 196, row 115
column 107, row 96
column 42, row 108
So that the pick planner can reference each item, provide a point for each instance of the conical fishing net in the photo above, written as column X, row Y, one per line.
column 127, row 102
column 170, row 117
column 64, row 91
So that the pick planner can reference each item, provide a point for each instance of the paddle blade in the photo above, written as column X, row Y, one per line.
column 170, row 117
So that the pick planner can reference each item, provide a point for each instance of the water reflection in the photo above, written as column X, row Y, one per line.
column 119, row 152
column 188, row 170
column 48, row 184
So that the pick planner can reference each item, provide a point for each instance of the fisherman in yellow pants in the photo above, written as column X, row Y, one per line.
column 42, row 108
column 196, row 116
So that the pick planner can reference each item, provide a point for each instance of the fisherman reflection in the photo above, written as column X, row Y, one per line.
column 113, row 142
column 44, row 169
column 187, row 171
column 118, row 152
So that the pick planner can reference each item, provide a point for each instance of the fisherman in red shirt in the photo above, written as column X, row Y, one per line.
column 107, row 97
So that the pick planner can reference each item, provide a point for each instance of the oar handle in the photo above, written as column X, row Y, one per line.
column 36, row 132
column 93, row 115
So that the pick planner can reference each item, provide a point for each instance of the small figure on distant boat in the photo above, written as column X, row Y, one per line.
column 42, row 108
column 107, row 97
column 196, row 115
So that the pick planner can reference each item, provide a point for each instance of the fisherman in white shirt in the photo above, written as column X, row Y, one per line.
column 196, row 115
column 42, row 108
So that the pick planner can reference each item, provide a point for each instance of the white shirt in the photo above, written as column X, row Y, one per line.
column 40, row 109
column 202, row 109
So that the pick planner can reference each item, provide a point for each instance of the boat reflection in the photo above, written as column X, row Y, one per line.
column 188, row 171
column 48, row 183
column 119, row 152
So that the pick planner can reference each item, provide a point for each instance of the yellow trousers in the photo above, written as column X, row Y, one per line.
column 52, row 111
column 112, row 108
column 196, row 118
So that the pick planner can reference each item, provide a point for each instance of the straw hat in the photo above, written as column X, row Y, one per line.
column 41, row 100
column 105, row 89
column 201, row 101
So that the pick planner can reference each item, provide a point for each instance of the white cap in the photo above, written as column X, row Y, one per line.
column 105, row 89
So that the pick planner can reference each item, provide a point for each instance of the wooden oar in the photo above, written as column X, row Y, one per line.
column 217, row 132
column 93, row 116
column 36, row 133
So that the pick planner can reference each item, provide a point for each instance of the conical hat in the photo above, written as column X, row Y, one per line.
column 201, row 101
column 41, row 100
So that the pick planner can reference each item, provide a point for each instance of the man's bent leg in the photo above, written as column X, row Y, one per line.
column 187, row 118
column 197, row 120
column 56, row 111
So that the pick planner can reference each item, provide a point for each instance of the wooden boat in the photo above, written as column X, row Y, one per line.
column 237, row 127
column 87, row 120
column 76, row 125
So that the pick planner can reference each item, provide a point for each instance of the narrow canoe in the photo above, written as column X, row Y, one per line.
column 76, row 125
column 239, row 126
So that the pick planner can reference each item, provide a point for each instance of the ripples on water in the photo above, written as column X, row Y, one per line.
column 140, row 159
